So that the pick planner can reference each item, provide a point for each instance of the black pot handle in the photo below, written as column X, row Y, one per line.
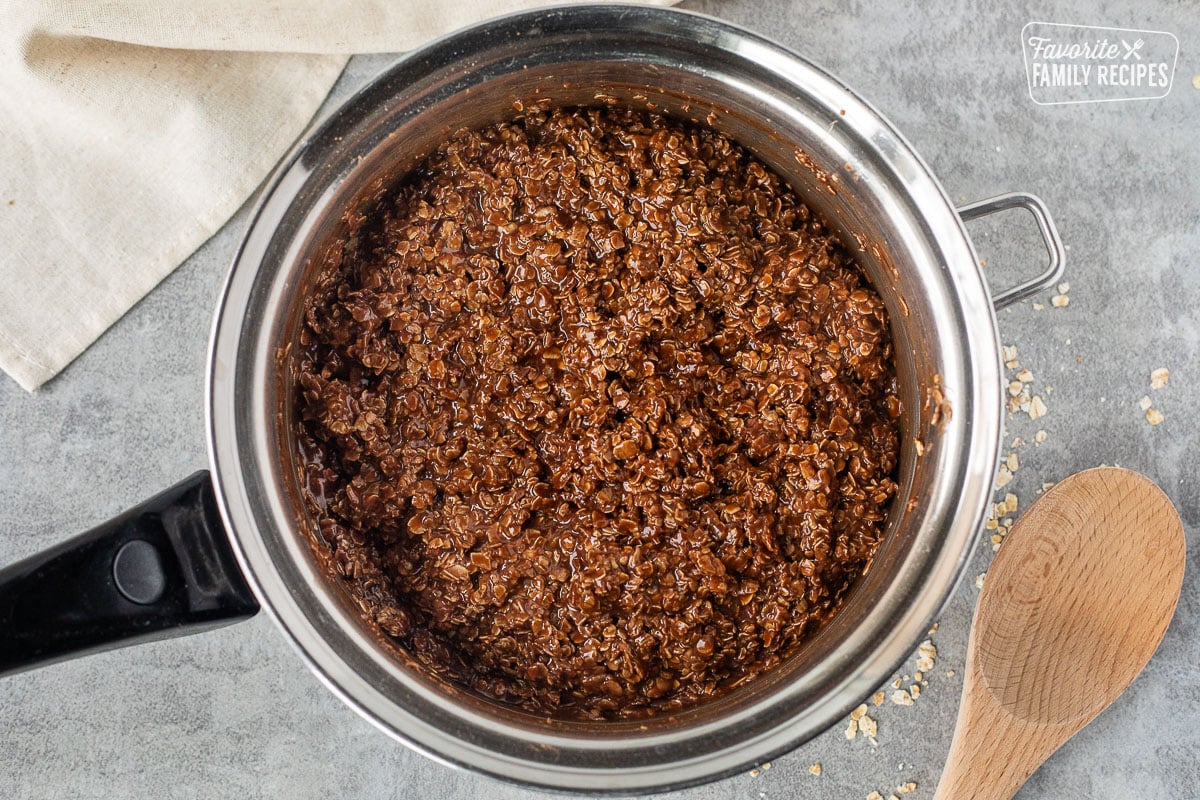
column 161, row 569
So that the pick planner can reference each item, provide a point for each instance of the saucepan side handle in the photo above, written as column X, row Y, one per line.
column 163, row 568
column 1054, row 245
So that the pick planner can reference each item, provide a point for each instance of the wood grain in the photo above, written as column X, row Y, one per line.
column 1074, row 606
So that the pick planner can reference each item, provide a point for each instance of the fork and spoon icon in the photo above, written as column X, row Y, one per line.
column 1132, row 49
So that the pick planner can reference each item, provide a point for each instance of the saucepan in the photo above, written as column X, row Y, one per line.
column 219, row 545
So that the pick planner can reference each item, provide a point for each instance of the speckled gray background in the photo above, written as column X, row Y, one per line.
column 236, row 714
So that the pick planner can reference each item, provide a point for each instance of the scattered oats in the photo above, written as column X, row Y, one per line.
column 950, row 672
column 933, row 630
column 906, row 788
column 754, row 773
column 1025, row 376
column 926, row 653
column 1060, row 301
column 918, row 676
column 990, row 524
column 815, row 769
column 1064, row 287
column 1018, row 442
column 852, row 729
column 999, row 510
column 892, row 796
column 896, row 683
column 1010, row 502
column 1154, row 416
column 1040, row 437
column 1195, row 85
column 1037, row 408
column 869, row 727
column 766, row 766
column 919, row 445
column 859, row 713
column 1012, row 462
column 1009, row 353
column 1003, row 477
column 995, row 547
column 1159, row 378
column 1145, row 402
column 878, row 698
column 915, row 690
column 1039, row 307
column 902, row 698
column 874, row 796
column 997, row 538
column 1015, row 387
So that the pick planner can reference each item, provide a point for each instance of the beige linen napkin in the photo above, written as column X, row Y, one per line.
column 131, row 131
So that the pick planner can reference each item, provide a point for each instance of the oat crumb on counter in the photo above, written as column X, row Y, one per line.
column 869, row 727
column 1154, row 416
column 926, row 653
column 1003, row 477
column 1159, row 378
column 815, row 769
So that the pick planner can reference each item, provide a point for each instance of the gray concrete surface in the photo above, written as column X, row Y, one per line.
column 235, row 713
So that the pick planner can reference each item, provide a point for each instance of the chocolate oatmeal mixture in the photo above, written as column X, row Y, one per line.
column 594, row 415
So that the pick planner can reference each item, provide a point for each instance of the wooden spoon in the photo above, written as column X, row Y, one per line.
column 1073, row 607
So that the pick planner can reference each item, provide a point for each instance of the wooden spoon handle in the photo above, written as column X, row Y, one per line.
column 994, row 753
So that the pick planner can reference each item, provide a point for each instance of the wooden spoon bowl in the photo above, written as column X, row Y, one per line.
column 1073, row 607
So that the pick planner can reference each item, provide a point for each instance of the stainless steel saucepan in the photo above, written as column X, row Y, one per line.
column 213, row 548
